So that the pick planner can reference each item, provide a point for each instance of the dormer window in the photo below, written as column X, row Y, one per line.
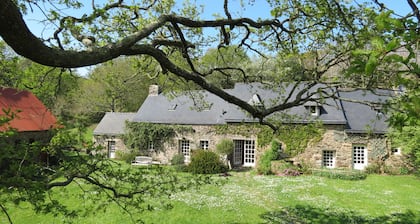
column 314, row 110
column 173, row 107
column 256, row 101
column 378, row 108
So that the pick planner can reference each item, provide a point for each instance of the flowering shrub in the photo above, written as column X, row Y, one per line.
column 291, row 172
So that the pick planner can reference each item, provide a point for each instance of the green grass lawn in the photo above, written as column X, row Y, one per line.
column 248, row 198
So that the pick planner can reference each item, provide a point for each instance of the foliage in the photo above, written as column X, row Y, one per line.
column 53, row 86
column 340, row 174
column 178, row 159
column 279, row 166
column 178, row 162
column 379, row 167
column 140, row 135
column 206, row 162
column 126, row 156
column 223, row 65
column 243, row 129
column 297, row 137
column 375, row 168
column 115, row 86
column 225, row 147
column 406, row 135
column 320, row 39
column 286, row 133
column 264, row 163
column 332, row 33
column 31, row 171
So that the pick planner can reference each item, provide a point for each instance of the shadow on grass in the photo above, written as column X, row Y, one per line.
column 309, row 214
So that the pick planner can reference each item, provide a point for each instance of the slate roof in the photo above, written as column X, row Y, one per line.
column 31, row 113
column 362, row 118
column 113, row 123
column 180, row 110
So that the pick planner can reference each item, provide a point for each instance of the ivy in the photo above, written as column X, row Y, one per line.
column 246, row 130
column 139, row 135
column 295, row 137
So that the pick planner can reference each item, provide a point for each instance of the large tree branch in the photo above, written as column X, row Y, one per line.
column 201, row 81
column 17, row 35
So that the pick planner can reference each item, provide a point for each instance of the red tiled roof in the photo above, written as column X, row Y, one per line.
column 31, row 113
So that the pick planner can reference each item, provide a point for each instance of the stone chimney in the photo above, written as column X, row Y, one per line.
column 153, row 90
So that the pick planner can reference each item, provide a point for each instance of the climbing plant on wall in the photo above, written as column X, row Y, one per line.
column 297, row 136
column 294, row 136
column 139, row 136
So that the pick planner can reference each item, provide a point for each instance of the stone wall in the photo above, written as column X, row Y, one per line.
column 102, row 141
column 200, row 133
column 335, row 139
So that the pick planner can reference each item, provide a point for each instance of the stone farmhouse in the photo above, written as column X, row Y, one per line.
column 354, row 132
column 110, row 130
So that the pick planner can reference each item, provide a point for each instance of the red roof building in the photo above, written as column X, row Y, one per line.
column 31, row 113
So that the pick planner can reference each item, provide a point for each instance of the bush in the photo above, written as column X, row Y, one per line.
column 264, row 163
column 225, row 147
column 279, row 166
column 340, row 174
column 374, row 168
column 206, row 162
column 178, row 159
column 276, row 147
column 125, row 156
column 178, row 163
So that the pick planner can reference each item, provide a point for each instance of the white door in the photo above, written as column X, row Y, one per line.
column 238, row 152
column 111, row 149
column 184, row 148
column 359, row 157
column 249, row 153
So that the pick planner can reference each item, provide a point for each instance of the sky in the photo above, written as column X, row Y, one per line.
column 257, row 9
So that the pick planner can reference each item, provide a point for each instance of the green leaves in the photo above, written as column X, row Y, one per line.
column 140, row 135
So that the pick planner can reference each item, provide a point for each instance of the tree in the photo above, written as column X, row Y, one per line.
column 225, row 66
column 319, row 35
column 333, row 30
column 115, row 86
column 405, row 122
column 25, row 178
column 51, row 85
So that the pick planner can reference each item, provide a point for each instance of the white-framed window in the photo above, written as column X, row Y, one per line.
column 314, row 110
column 184, row 148
column 396, row 151
column 151, row 146
column 328, row 158
column 360, row 157
column 249, row 153
column 204, row 144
